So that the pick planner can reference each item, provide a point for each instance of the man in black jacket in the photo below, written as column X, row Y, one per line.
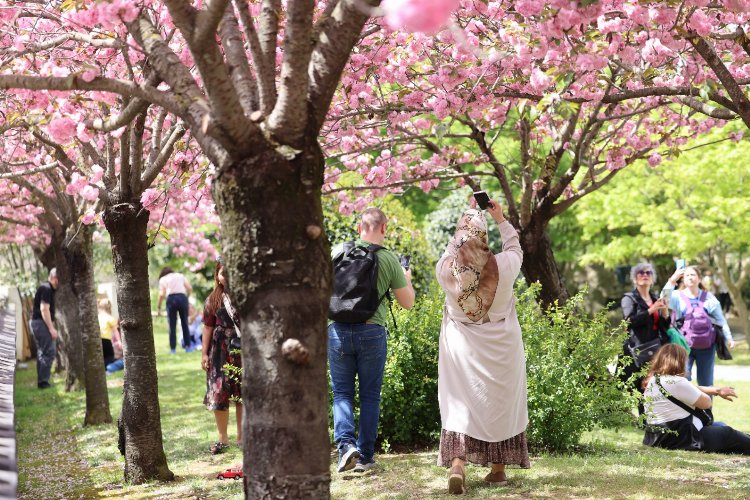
column 43, row 328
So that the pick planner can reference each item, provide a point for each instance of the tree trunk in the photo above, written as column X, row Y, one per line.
column 539, row 265
column 79, row 254
column 69, row 345
column 279, row 275
column 140, row 418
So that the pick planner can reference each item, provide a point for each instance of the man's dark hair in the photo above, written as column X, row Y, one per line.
column 165, row 271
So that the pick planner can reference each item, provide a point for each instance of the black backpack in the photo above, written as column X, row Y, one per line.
column 355, row 296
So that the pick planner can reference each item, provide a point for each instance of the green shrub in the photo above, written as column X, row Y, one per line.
column 409, row 406
column 570, row 388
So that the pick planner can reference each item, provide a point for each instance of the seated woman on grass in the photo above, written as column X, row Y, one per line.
column 671, row 401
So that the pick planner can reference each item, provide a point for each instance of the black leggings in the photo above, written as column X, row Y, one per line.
column 724, row 439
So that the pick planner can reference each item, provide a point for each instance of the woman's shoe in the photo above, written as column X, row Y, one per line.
column 496, row 478
column 456, row 480
column 218, row 447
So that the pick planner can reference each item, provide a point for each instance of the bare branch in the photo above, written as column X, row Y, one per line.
column 165, row 152
column 265, row 68
column 73, row 83
column 288, row 119
column 412, row 181
column 707, row 109
column 732, row 86
column 239, row 69
column 337, row 34
column 208, row 21
column 26, row 173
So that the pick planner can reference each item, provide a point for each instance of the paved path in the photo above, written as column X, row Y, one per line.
column 730, row 373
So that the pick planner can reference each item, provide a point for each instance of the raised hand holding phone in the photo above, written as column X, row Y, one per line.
column 482, row 199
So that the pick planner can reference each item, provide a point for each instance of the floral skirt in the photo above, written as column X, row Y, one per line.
column 512, row 451
column 221, row 389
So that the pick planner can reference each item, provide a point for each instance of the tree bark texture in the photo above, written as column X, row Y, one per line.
column 67, row 321
column 539, row 265
column 79, row 253
column 144, row 451
column 278, row 270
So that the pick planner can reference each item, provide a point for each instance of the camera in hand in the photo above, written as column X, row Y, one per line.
column 405, row 260
column 483, row 200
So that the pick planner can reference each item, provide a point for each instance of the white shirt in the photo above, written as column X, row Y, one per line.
column 660, row 410
column 172, row 283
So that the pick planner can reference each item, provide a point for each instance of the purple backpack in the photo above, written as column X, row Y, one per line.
column 697, row 328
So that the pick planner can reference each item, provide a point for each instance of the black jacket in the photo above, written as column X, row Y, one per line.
column 641, row 323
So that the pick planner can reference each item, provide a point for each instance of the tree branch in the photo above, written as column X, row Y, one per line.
column 736, row 94
column 265, row 68
column 707, row 109
column 207, row 21
column 25, row 173
column 288, row 119
column 239, row 69
column 337, row 35
column 165, row 152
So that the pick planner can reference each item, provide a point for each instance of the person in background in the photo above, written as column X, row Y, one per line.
column 195, row 320
column 691, row 297
column 481, row 365
column 111, row 343
column 176, row 289
column 43, row 328
column 722, row 293
column 221, row 331
column 646, row 315
column 668, row 371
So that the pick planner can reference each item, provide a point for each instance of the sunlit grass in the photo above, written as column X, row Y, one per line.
column 58, row 458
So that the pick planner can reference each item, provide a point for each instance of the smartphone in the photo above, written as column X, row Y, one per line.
column 482, row 199
column 680, row 263
column 405, row 261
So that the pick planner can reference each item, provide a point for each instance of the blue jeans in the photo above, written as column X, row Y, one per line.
column 705, row 359
column 356, row 350
column 177, row 303
column 46, row 350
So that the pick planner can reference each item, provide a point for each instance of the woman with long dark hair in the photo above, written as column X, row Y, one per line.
column 671, row 400
column 221, row 334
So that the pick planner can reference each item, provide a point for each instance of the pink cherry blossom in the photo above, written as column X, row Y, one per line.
column 62, row 129
column 418, row 15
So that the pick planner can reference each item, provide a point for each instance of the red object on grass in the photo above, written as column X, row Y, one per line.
column 231, row 473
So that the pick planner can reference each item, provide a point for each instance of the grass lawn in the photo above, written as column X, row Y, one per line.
column 58, row 458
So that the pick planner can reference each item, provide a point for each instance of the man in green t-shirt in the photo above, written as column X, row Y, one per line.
column 358, row 350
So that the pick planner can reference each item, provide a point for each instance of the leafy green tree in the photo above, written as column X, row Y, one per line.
column 693, row 207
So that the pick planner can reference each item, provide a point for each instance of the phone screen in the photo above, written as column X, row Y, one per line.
column 405, row 261
column 482, row 199
column 680, row 263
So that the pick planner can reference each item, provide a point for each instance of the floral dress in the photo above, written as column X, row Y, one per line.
column 220, row 387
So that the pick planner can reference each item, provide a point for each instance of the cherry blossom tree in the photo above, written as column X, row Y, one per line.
column 50, row 222
column 253, row 84
column 549, row 99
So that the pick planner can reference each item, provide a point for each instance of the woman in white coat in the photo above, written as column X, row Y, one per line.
column 481, row 369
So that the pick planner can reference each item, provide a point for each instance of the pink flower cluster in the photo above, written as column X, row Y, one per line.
column 427, row 16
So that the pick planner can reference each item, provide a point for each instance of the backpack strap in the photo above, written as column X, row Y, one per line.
column 702, row 299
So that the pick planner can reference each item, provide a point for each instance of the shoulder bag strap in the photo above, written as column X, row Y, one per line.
column 230, row 309
column 675, row 400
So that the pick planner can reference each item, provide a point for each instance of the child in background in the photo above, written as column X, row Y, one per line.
column 110, row 333
column 195, row 325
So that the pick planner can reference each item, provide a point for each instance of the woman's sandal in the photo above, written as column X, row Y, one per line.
column 218, row 447
column 456, row 480
column 496, row 479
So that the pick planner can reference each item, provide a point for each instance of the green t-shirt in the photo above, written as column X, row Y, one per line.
column 390, row 276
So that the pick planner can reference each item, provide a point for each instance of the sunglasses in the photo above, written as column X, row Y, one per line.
column 644, row 273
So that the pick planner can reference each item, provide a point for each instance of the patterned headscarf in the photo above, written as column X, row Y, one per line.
column 470, row 267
